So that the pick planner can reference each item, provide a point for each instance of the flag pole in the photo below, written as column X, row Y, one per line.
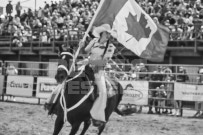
column 86, row 34
column 93, row 19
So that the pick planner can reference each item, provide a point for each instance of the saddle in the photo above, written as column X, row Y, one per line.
column 111, row 86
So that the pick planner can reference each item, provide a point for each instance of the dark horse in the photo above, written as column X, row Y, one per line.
column 74, row 94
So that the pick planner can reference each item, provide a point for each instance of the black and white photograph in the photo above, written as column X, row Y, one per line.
column 101, row 67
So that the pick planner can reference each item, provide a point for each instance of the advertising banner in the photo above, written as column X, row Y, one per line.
column 188, row 92
column 20, row 85
column 1, row 84
column 135, row 92
column 45, row 86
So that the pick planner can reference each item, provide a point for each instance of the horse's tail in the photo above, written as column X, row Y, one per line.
column 120, row 95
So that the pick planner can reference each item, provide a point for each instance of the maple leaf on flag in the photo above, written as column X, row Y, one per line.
column 138, row 28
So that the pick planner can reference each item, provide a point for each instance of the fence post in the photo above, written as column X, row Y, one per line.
column 4, row 86
column 195, row 48
column 31, row 44
column 10, row 47
column 53, row 42
column 38, row 101
column 39, row 42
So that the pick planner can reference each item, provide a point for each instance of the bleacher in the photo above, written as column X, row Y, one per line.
column 71, row 32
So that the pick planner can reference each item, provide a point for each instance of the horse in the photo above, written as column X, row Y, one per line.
column 72, row 96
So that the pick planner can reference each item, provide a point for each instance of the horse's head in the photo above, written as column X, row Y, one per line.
column 64, row 63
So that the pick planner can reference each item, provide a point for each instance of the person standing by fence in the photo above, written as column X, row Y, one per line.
column 156, row 79
column 162, row 98
column 181, row 77
column 199, row 105
column 11, row 70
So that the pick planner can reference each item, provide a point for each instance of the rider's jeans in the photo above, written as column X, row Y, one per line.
column 98, row 109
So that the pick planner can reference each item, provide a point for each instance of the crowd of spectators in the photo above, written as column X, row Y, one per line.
column 62, row 20
column 55, row 21
column 183, row 17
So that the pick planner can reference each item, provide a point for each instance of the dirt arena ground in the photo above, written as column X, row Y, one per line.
column 26, row 119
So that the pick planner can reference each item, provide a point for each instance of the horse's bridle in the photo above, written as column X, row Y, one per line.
column 63, row 54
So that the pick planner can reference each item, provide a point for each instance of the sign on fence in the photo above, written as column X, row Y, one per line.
column 45, row 86
column 188, row 92
column 1, row 84
column 20, row 85
column 135, row 92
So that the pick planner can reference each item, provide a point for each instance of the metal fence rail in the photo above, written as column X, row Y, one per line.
column 144, row 88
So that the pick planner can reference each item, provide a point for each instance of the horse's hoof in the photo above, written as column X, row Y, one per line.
column 97, row 123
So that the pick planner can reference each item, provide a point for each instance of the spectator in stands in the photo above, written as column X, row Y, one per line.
column 133, row 72
column 46, row 5
column 158, row 74
column 16, row 21
column 17, row 38
column 11, row 70
column 167, row 73
column 142, row 68
column 29, row 34
column 24, row 35
column 30, row 14
column 9, row 8
column 182, row 75
column 134, row 75
column 18, row 9
column 64, row 34
column 43, row 37
column 40, row 13
column 60, row 21
column 36, row 23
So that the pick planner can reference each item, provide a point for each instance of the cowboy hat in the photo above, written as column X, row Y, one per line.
column 97, row 30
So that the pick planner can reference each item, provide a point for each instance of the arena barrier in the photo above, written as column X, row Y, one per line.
column 24, row 79
column 1, row 78
column 169, row 92
column 141, row 87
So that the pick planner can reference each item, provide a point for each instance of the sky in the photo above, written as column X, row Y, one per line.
column 25, row 3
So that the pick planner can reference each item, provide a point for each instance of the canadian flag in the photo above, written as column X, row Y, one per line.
column 133, row 28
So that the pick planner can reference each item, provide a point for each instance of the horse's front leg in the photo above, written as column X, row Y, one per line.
column 58, row 125
column 75, row 128
column 86, row 126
